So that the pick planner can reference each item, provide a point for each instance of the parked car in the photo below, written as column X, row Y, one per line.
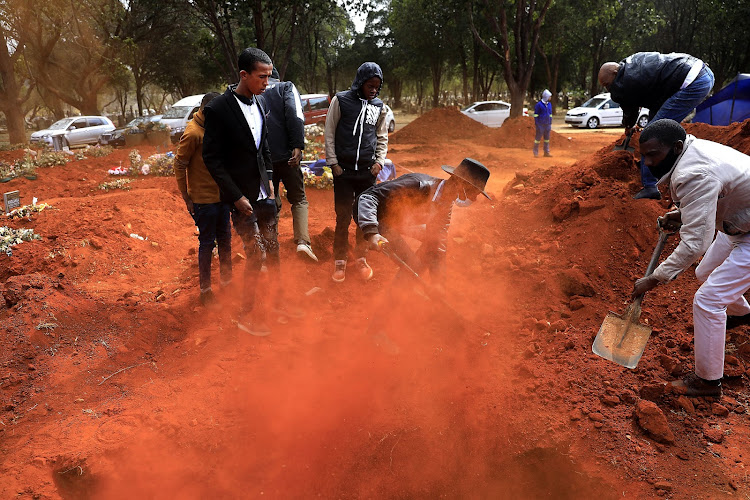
column 179, row 114
column 116, row 137
column 490, row 113
column 389, row 118
column 315, row 107
column 601, row 110
column 74, row 131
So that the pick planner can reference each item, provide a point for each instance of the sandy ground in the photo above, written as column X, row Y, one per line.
column 116, row 382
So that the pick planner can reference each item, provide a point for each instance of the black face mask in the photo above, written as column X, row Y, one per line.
column 665, row 166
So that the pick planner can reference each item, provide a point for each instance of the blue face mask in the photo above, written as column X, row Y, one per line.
column 465, row 202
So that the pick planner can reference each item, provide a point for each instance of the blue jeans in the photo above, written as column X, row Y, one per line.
column 260, row 237
column 212, row 220
column 542, row 130
column 678, row 107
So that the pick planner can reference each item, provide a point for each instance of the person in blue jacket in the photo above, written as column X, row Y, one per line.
column 543, row 122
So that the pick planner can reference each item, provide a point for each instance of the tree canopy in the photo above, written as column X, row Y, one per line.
column 62, row 57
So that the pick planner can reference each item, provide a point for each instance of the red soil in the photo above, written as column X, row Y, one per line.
column 138, row 392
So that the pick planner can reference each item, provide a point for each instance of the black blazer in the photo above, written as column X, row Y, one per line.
column 229, row 150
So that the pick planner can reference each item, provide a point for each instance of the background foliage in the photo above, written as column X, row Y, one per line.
column 137, row 56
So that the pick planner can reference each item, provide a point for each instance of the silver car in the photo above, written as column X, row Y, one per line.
column 74, row 131
column 490, row 113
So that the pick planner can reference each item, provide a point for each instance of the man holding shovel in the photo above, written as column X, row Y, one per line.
column 419, row 206
column 710, row 184
column 669, row 85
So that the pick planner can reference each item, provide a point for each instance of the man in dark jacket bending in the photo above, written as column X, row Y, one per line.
column 420, row 206
column 669, row 85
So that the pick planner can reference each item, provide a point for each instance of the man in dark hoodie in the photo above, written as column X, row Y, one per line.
column 669, row 85
column 286, row 139
column 356, row 139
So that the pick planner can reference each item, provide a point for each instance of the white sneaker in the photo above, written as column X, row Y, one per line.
column 304, row 248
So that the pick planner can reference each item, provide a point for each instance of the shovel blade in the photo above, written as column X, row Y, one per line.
column 624, row 147
column 621, row 340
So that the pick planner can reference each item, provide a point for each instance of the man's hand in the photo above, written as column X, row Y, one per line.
column 376, row 168
column 272, row 194
column 670, row 221
column 188, row 204
column 296, row 157
column 244, row 207
column 643, row 285
column 336, row 170
column 377, row 241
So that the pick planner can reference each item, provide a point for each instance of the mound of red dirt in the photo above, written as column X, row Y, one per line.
column 439, row 124
column 520, row 132
column 583, row 243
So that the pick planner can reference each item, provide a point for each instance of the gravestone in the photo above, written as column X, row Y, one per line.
column 11, row 201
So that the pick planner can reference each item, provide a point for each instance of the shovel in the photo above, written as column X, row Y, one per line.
column 622, row 338
column 625, row 146
column 428, row 290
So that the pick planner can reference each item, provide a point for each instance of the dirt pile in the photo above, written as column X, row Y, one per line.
column 584, row 241
column 437, row 125
column 520, row 132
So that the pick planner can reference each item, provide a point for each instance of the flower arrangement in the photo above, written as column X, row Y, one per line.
column 118, row 184
column 11, row 237
column 157, row 126
column 25, row 166
column 47, row 159
column 98, row 151
column 136, row 162
column 159, row 164
column 323, row 181
column 7, row 171
column 27, row 211
column 314, row 142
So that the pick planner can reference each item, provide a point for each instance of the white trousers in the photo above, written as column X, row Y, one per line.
column 725, row 273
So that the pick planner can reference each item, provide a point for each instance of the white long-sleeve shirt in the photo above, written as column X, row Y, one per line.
column 710, row 183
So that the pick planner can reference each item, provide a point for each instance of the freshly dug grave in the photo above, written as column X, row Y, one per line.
column 116, row 383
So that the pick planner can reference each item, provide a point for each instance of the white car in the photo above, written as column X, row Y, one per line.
column 490, row 113
column 602, row 111
column 74, row 131
column 389, row 118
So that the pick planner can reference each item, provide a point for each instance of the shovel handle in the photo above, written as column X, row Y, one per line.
column 663, row 235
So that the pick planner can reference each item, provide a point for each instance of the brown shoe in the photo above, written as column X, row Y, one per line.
column 695, row 387
column 364, row 269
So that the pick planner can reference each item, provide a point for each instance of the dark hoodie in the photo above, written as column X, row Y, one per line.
column 356, row 136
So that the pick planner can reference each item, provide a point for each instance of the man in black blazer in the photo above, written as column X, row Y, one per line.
column 236, row 153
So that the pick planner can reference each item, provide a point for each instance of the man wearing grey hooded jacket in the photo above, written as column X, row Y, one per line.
column 356, row 141
column 710, row 184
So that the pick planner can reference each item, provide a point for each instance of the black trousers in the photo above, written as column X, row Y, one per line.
column 346, row 188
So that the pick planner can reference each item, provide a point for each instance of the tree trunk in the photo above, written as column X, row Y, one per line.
column 16, row 125
column 11, row 100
